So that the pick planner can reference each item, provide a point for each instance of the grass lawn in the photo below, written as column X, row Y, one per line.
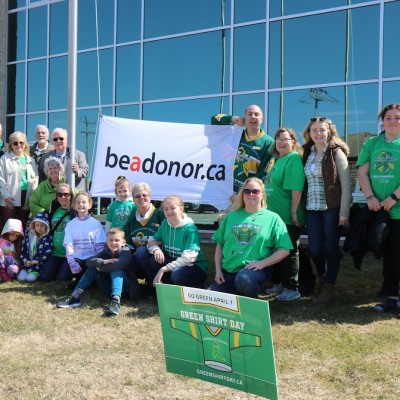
column 344, row 351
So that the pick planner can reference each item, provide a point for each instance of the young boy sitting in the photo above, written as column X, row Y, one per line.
column 114, row 261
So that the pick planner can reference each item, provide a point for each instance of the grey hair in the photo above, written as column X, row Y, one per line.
column 138, row 187
column 60, row 130
column 53, row 161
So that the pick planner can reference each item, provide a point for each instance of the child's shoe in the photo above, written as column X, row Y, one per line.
column 114, row 308
column 69, row 302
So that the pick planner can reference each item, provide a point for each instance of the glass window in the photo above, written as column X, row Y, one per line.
column 36, row 90
column 131, row 111
column 391, row 92
column 12, row 4
column 57, row 120
column 37, row 32
column 187, row 66
column 188, row 111
column 59, row 28
column 245, row 11
column 32, row 120
column 298, row 106
column 171, row 17
column 325, row 57
column 58, row 83
column 280, row 8
column 87, row 23
column 16, row 36
column 15, row 123
column 249, row 70
column 128, row 74
column 16, row 88
column 390, row 40
column 128, row 20
column 88, row 83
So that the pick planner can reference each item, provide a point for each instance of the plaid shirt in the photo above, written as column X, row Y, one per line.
column 315, row 195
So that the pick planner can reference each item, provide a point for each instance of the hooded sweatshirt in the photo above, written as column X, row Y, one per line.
column 34, row 247
column 181, row 243
column 7, row 247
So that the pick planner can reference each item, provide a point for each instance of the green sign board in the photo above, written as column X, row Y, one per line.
column 219, row 338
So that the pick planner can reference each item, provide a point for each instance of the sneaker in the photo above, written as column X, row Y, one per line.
column 276, row 289
column 398, row 304
column 69, row 302
column 288, row 295
column 386, row 305
column 114, row 308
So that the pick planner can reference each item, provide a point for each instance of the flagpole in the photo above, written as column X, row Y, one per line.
column 72, row 74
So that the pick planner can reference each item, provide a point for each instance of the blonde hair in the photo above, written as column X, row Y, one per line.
column 141, row 186
column 238, row 204
column 16, row 136
column 85, row 194
column 120, row 181
column 175, row 199
column 116, row 231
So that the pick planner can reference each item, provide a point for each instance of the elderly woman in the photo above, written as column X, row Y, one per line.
column 61, row 212
column 18, row 179
column 250, row 241
column 140, row 228
column 328, row 198
column 45, row 193
column 284, row 186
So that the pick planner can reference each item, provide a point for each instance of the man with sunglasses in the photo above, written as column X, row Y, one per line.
column 42, row 145
column 79, row 166
column 255, row 146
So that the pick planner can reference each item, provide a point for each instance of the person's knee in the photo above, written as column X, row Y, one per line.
column 245, row 285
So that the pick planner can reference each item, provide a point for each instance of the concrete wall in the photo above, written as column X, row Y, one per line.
column 3, row 61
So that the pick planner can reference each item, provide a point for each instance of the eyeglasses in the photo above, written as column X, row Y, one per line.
column 251, row 191
column 138, row 196
column 18, row 143
column 284, row 139
column 56, row 139
column 319, row 119
column 63, row 195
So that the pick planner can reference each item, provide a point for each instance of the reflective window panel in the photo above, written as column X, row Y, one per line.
column 57, row 120
column 16, row 36
column 129, row 111
column 12, row 4
column 88, row 83
column 59, row 28
column 87, row 23
column 128, row 74
column 313, row 52
column 128, row 20
column 36, row 86
column 391, row 93
column 177, row 16
column 16, row 88
column 15, row 123
column 58, row 83
column 241, row 102
column 32, row 120
column 391, row 36
column 187, row 66
column 249, row 58
column 245, row 11
column 37, row 32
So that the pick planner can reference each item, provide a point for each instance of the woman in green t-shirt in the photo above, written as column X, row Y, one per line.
column 284, row 185
column 379, row 177
column 250, row 240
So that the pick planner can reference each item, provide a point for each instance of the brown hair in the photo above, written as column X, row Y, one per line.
column 87, row 195
column 296, row 145
column 393, row 106
column 175, row 198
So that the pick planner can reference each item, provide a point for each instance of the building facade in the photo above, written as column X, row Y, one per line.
column 185, row 60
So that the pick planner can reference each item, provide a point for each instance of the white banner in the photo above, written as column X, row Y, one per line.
column 192, row 161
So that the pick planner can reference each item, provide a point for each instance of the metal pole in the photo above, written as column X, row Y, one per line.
column 72, row 74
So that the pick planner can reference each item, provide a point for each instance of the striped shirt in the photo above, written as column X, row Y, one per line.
column 315, row 194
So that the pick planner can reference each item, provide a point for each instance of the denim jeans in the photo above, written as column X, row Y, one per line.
column 323, row 242
column 113, row 283
column 191, row 276
column 246, row 282
column 56, row 268
column 142, row 259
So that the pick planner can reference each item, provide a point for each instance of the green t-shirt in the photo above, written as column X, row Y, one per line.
column 284, row 175
column 384, row 168
column 58, row 236
column 247, row 237
column 176, row 240
column 24, row 173
column 119, row 212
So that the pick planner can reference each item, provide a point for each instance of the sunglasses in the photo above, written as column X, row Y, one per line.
column 138, row 196
column 319, row 119
column 63, row 195
column 56, row 139
column 18, row 143
column 251, row 191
